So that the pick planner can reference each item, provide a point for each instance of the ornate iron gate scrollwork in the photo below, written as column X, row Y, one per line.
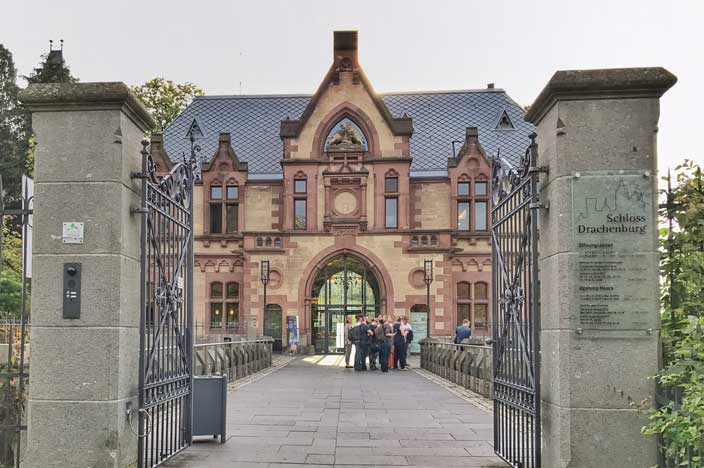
column 166, row 338
column 516, row 305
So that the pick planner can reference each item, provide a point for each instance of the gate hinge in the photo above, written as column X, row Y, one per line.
column 138, row 175
column 536, row 205
column 139, row 210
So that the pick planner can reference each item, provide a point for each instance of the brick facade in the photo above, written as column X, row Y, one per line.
column 346, row 203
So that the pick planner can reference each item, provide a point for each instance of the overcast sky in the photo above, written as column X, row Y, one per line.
column 284, row 47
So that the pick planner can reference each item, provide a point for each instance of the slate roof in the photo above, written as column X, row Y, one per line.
column 438, row 119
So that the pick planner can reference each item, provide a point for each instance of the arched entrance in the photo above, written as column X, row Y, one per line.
column 344, row 288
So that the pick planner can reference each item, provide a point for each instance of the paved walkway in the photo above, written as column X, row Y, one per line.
column 315, row 413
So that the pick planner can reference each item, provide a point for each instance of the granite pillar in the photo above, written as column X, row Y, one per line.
column 598, row 253
column 84, row 371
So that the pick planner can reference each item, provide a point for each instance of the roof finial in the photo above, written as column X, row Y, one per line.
column 62, row 45
column 51, row 45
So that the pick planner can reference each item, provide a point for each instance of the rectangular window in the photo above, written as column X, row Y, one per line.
column 299, row 186
column 233, row 192
column 392, row 213
column 480, row 314
column 299, row 214
column 480, row 188
column 233, row 314
column 215, row 218
column 391, row 185
column 463, row 216
column 216, row 314
column 463, row 189
column 480, row 216
column 216, row 192
column 231, row 215
column 462, row 313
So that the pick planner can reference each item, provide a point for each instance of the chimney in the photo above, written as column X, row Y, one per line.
column 224, row 139
column 490, row 86
column 345, row 46
column 471, row 134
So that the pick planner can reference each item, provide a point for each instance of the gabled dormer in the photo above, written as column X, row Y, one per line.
column 346, row 96
column 470, row 178
column 223, row 180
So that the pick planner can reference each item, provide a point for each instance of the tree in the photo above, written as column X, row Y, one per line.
column 14, row 129
column 166, row 99
column 680, row 422
column 53, row 68
column 11, row 274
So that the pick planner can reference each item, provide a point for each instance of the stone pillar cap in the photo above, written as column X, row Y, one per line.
column 605, row 83
column 52, row 97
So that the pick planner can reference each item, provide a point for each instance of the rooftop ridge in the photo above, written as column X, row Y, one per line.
column 389, row 93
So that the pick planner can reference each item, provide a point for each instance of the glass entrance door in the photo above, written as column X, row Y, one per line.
column 343, row 289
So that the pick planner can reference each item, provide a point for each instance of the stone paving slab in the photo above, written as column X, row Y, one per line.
column 312, row 412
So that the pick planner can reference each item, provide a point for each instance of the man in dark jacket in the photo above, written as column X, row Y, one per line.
column 463, row 332
column 361, row 333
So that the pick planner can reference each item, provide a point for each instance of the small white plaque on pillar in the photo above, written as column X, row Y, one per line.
column 72, row 233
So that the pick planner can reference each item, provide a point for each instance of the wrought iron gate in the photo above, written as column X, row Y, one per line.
column 16, row 222
column 516, row 305
column 166, row 339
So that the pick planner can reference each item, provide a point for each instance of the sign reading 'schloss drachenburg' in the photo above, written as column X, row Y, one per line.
column 613, row 225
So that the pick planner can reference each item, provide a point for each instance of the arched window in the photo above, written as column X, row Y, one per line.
column 277, row 242
column 260, row 242
column 346, row 135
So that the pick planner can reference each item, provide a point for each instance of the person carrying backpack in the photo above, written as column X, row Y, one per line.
column 384, row 335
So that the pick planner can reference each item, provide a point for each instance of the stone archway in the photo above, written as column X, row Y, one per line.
column 374, row 264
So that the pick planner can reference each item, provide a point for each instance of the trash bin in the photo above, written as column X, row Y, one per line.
column 210, row 406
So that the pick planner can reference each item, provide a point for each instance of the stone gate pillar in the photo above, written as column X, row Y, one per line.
column 598, row 263
column 84, row 370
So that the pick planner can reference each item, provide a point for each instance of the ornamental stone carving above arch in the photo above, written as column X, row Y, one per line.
column 347, row 112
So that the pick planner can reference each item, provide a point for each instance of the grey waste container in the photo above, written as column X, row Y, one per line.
column 210, row 406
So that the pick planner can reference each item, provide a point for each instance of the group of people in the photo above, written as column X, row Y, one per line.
column 376, row 340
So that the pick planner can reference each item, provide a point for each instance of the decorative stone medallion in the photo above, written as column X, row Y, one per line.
column 345, row 203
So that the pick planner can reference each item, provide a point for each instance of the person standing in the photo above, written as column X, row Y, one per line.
column 462, row 332
column 373, row 346
column 385, row 335
column 399, row 346
column 405, row 324
column 348, row 343
column 356, row 338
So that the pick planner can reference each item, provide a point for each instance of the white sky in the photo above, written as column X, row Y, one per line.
column 281, row 47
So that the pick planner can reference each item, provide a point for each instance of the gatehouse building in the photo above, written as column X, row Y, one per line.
column 351, row 196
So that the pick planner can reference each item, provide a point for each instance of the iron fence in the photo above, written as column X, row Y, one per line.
column 14, row 331
column 236, row 359
column 467, row 365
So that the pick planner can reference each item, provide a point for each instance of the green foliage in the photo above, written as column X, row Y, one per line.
column 680, row 423
column 166, row 99
column 53, row 69
column 14, row 129
column 11, row 275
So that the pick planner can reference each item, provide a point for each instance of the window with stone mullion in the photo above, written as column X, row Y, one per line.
column 224, row 209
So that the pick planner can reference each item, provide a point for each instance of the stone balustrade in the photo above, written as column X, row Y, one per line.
column 468, row 365
column 236, row 359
